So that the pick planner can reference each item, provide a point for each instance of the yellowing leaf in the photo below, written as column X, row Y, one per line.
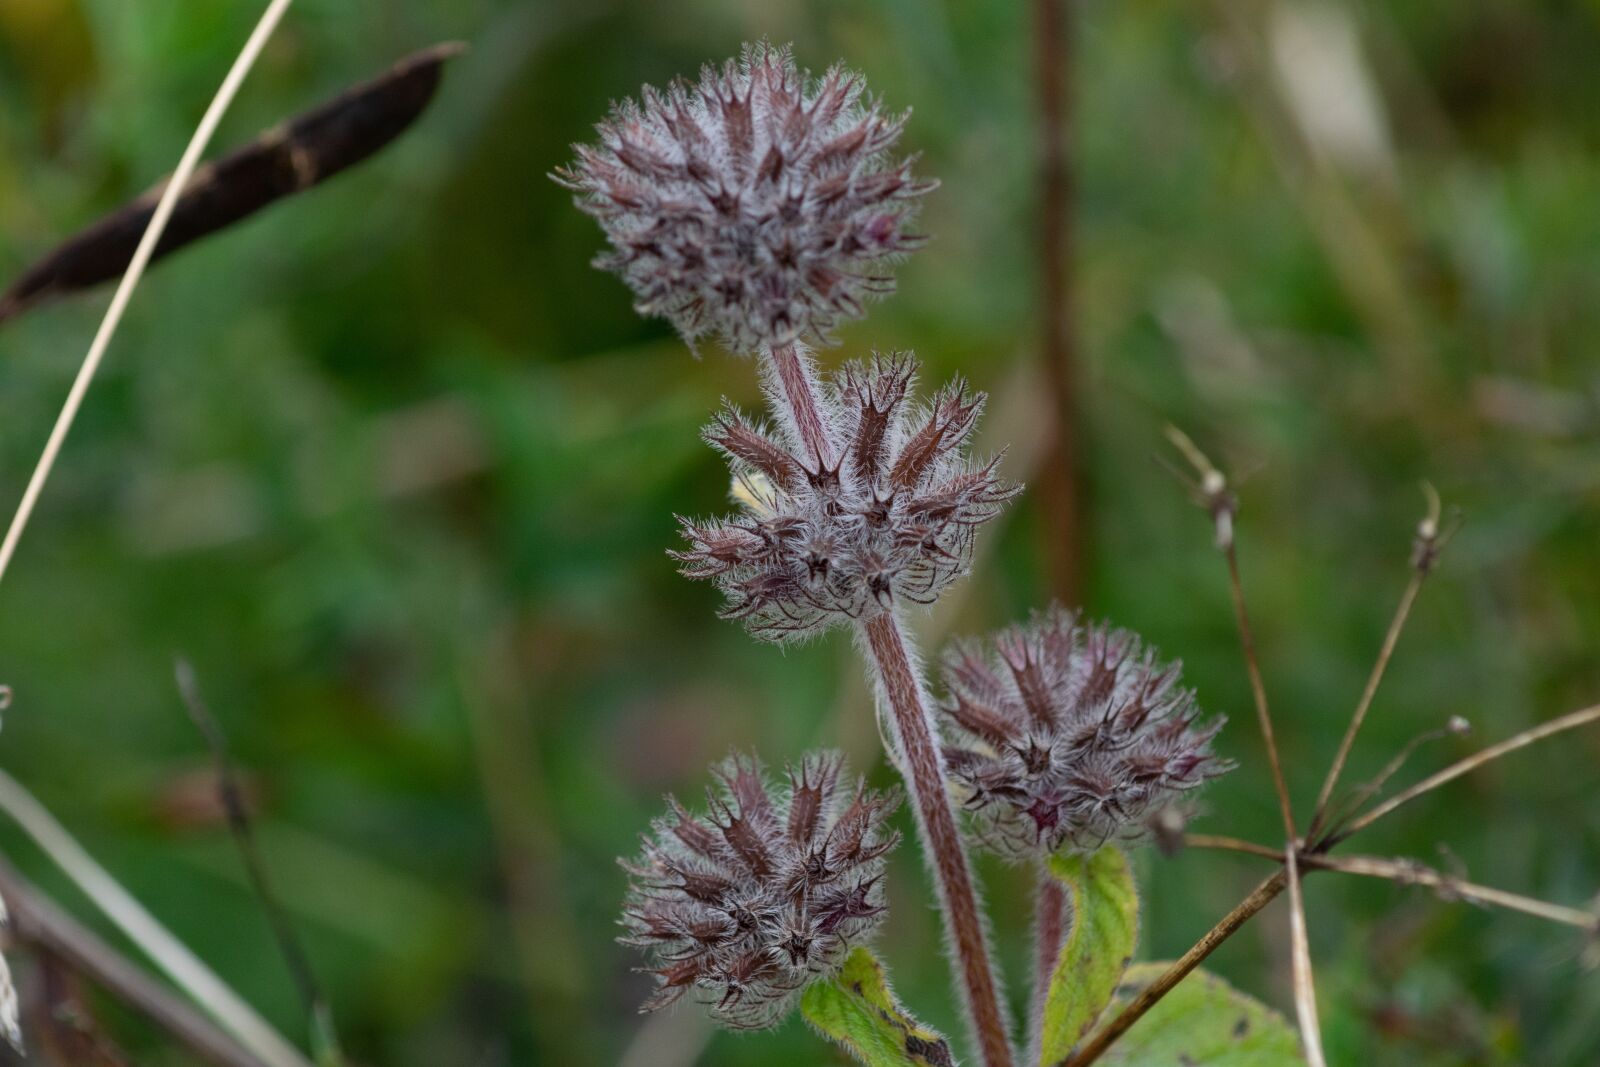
column 1104, row 912
column 858, row 1010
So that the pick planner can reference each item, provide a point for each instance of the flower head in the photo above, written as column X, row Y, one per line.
column 758, row 205
column 747, row 906
column 1069, row 736
column 822, row 539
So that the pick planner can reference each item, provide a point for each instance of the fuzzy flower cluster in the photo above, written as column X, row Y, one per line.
column 824, row 538
column 758, row 205
column 1066, row 736
column 747, row 906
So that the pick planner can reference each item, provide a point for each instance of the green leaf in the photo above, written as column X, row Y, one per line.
column 1104, row 912
column 1203, row 1022
column 858, row 1010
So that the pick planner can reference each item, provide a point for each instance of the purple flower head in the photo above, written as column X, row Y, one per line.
column 758, row 205
column 890, row 519
column 1067, row 736
column 744, row 907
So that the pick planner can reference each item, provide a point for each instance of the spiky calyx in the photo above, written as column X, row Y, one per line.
column 828, row 538
column 1069, row 736
column 745, row 907
column 759, row 205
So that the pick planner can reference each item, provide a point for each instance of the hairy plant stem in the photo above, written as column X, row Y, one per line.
column 796, row 377
column 924, row 771
column 890, row 661
column 1049, row 933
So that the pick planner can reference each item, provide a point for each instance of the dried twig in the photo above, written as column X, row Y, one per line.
column 1232, row 844
column 1424, row 554
column 1570, row 721
column 1305, row 990
column 287, row 159
column 1449, row 887
column 1214, row 496
column 136, row 266
column 325, row 1039
column 1338, row 814
column 1406, row 872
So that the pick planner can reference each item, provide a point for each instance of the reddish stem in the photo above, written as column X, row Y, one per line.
column 1049, row 932
column 799, row 398
column 797, row 378
column 924, row 771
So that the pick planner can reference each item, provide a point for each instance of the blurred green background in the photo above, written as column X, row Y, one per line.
column 397, row 470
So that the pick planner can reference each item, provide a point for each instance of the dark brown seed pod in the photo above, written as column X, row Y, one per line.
column 303, row 152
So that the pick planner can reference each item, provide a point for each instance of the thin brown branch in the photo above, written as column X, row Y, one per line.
column 1337, row 815
column 1390, row 640
column 1449, row 887
column 37, row 922
column 1060, row 480
column 1424, row 554
column 1212, row 493
column 1408, row 872
column 1258, row 691
column 1570, row 721
column 1305, row 989
column 1232, row 844
column 1096, row 1046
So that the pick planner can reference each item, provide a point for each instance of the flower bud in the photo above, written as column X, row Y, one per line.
column 757, row 205
column 746, row 906
column 1065, row 736
column 890, row 520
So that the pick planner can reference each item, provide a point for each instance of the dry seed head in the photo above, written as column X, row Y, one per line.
column 891, row 519
column 1067, row 736
column 744, row 907
column 758, row 205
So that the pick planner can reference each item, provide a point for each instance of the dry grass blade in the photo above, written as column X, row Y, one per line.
column 1570, row 721
column 164, row 949
column 303, row 152
column 136, row 266
column 1305, row 990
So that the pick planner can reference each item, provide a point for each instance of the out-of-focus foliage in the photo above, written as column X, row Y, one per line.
column 397, row 471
